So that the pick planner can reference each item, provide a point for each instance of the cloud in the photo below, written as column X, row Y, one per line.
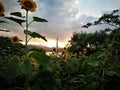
column 64, row 17
column 11, row 5
column 84, row 19
column 95, row 7
column 59, row 14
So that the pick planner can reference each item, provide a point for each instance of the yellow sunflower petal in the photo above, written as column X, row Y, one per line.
column 64, row 49
column 80, row 53
column 15, row 39
column 28, row 5
column 84, row 50
column 53, row 49
column 29, row 53
column 67, row 54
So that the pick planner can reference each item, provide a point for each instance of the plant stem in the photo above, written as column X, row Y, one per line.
column 103, row 72
column 111, row 48
column 26, row 42
column 29, row 39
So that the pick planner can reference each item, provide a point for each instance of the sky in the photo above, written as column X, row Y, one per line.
column 64, row 17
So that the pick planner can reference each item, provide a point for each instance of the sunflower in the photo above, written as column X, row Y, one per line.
column 64, row 49
column 15, row 39
column 29, row 53
column 80, row 53
column 67, row 54
column 28, row 5
column 2, row 9
column 33, row 62
column 74, row 55
column 84, row 50
column 54, row 49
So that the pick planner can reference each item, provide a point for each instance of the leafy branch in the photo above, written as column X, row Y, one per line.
column 112, row 19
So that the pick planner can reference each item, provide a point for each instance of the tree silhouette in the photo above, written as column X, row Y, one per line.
column 112, row 19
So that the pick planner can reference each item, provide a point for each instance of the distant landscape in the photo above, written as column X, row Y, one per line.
column 44, row 47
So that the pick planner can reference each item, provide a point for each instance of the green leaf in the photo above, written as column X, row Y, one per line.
column 19, row 21
column 34, row 35
column 4, row 30
column 93, row 63
column 26, row 67
column 2, row 21
column 40, row 57
column 18, row 14
column 37, row 19
column 12, row 71
column 27, row 32
column 112, row 73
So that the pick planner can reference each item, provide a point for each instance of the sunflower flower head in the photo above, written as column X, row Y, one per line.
column 84, row 50
column 74, row 55
column 29, row 5
column 15, row 39
column 64, row 49
column 67, row 54
column 33, row 62
column 80, row 53
column 54, row 50
column 2, row 9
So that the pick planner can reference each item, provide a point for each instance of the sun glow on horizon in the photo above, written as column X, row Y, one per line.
column 50, row 43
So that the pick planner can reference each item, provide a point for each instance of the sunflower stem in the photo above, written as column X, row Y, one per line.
column 29, row 39
column 26, row 42
column 30, row 22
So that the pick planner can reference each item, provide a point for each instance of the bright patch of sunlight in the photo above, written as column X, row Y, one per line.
column 50, row 43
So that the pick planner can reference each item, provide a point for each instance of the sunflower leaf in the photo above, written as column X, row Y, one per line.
column 2, row 21
column 26, row 67
column 27, row 32
column 19, row 21
column 40, row 57
column 37, row 19
column 4, row 30
column 34, row 35
column 18, row 14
